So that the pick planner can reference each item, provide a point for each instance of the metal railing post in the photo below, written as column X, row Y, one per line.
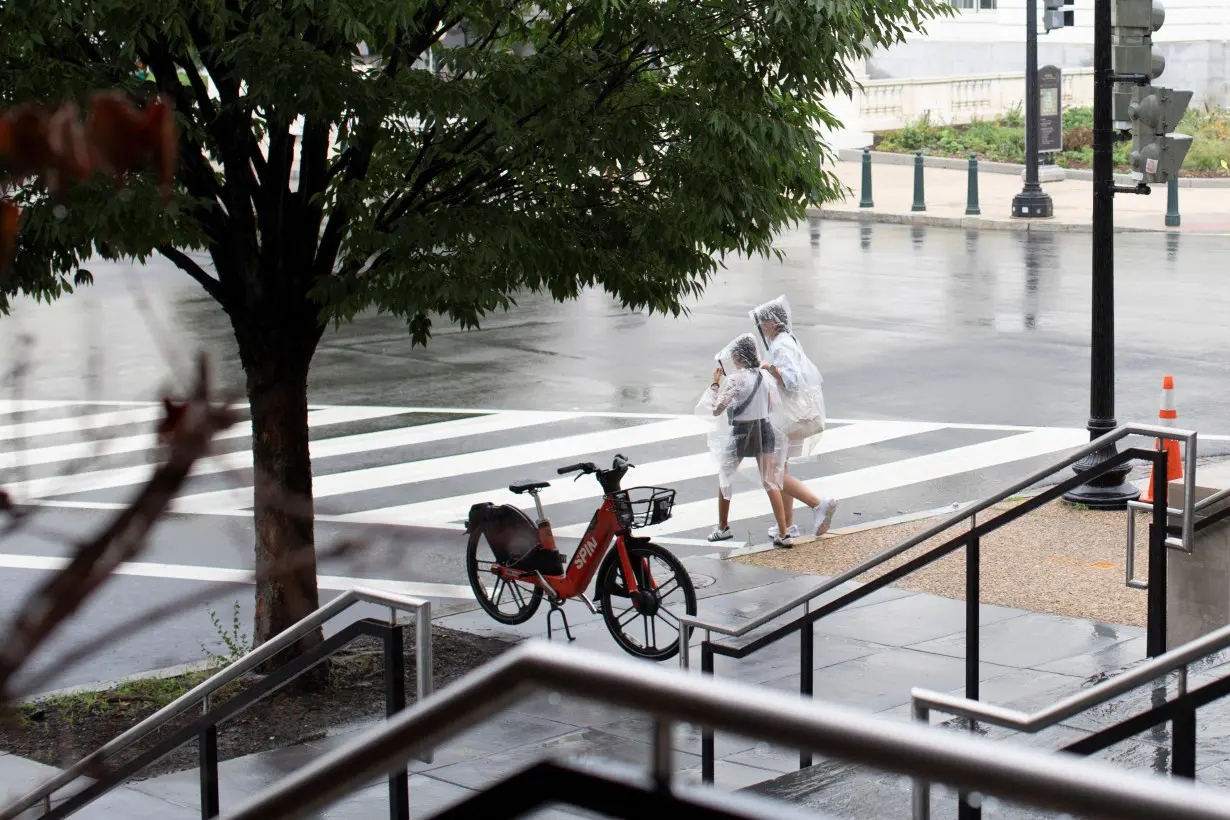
column 806, row 674
column 1156, row 617
column 971, row 199
column 1183, row 745
column 207, row 760
column 920, row 796
column 920, row 200
column 866, row 201
column 973, row 598
column 707, row 764
column 1173, row 220
column 663, row 754
column 972, row 601
column 394, row 702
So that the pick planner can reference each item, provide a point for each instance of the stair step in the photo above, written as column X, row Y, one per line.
column 857, row 792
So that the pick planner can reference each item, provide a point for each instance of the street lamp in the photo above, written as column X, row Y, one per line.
column 1032, row 202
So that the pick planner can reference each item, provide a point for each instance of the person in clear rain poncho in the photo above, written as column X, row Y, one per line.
column 803, row 400
column 746, row 406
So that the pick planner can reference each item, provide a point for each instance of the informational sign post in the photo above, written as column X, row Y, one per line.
column 1050, row 110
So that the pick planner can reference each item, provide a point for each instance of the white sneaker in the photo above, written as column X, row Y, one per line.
column 786, row 542
column 720, row 534
column 792, row 531
column 823, row 521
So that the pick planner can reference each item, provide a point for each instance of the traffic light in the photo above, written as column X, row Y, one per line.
column 1132, row 25
column 1058, row 14
column 1157, row 152
column 1149, row 112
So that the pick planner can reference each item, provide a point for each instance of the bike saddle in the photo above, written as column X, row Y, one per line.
column 527, row 486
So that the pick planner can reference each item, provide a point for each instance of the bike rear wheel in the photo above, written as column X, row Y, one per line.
column 643, row 623
column 508, row 602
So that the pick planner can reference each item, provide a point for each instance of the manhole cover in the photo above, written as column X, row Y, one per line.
column 701, row 581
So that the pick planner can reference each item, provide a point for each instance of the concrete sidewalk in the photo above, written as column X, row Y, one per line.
column 867, row 657
column 1202, row 209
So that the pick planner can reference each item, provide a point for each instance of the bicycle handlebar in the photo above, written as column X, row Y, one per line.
column 619, row 463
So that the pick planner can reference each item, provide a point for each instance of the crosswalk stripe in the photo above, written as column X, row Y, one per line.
column 440, row 512
column 395, row 475
column 27, row 405
column 72, row 424
column 754, row 504
column 82, row 450
column 321, row 448
column 185, row 572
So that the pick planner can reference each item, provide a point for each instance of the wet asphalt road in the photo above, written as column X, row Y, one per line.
column 907, row 324
column 904, row 323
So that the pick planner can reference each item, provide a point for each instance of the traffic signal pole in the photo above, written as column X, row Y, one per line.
column 1110, row 491
column 1157, row 156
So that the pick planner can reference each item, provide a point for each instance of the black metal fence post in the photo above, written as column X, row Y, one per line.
column 1183, row 745
column 1172, row 204
column 1155, row 638
column 866, row 201
column 920, row 200
column 971, row 203
column 706, row 733
column 394, row 702
column 806, row 674
column 207, row 759
column 973, row 598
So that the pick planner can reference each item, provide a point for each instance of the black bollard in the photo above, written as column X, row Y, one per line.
column 866, row 201
column 971, row 205
column 1172, row 203
column 920, row 203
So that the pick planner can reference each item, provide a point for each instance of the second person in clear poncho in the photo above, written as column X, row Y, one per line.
column 803, row 399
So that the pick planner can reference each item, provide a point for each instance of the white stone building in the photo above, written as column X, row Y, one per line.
column 972, row 64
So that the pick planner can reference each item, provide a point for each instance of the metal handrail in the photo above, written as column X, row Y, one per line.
column 1164, row 664
column 1088, row 788
column 198, row 694
column 691, row 622
column 1129, row 566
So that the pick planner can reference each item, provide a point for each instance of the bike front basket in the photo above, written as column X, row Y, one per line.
column 642, row 506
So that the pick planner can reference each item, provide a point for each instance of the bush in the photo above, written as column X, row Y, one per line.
column 1002, row 139
column 1078, row 138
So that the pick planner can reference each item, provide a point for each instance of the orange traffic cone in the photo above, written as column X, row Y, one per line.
column 1166, row 418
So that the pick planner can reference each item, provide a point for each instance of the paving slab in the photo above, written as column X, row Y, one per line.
column 911, row 620
column 1034, row 639
column 18, row 776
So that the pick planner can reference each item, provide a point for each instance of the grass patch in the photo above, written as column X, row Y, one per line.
column 1002, row 139
column 60, row 730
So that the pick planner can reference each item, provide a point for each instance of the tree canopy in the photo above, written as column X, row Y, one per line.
column 434, row 158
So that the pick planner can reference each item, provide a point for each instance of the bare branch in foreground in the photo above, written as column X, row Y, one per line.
column 188, row 440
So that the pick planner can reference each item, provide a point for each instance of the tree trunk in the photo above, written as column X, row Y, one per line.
column 276, row 360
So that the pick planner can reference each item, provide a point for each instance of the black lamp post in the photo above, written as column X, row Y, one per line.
column 1032, row 202
column 1109, row 491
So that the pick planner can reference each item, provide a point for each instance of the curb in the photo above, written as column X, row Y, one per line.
column 870, row 525
column 991, row 167
column 105, row 685
column 200, row 666
column 971, row 223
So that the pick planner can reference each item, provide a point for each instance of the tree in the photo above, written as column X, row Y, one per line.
column 434, row 158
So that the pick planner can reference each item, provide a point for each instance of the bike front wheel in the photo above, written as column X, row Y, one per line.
column 646, row 623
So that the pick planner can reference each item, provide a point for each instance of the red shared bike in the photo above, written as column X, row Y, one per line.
column 512, row 563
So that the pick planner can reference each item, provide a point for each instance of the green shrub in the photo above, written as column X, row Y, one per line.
column 1002, row 139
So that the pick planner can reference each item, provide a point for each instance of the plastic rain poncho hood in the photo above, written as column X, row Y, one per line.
column 802, row 386
column 760, row 419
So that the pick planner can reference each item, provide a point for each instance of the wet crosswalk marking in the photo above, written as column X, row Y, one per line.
column 423, row 468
